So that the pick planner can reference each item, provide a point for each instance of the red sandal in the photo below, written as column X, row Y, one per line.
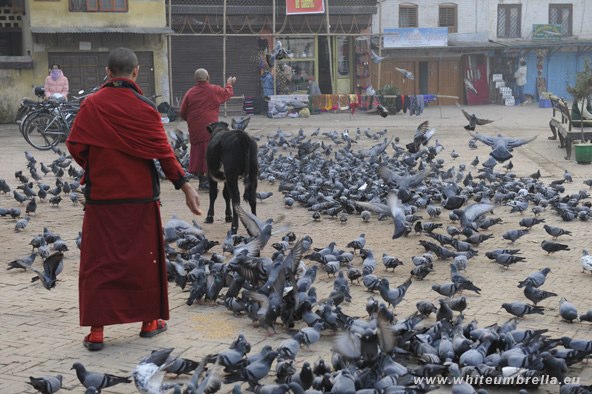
column 153, row 328
column 94, row 340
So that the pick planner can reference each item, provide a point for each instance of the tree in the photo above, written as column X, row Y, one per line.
column 582, row 89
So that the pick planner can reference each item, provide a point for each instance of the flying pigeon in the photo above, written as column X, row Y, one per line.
column 375, row 57
column 501, row 146
column 406, row 74
column 469, row 85
column 474, row 120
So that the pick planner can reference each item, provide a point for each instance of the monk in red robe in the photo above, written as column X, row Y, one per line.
column 200, row 107
column 115, row 137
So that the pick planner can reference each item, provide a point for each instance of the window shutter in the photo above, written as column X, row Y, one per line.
column 408, row 16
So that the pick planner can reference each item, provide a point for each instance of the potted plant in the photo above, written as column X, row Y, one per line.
column 581, row 90
column 389, row 103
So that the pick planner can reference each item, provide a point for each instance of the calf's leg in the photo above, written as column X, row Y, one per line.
column 213, row 196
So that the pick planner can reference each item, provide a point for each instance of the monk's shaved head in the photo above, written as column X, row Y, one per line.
column 122, row 62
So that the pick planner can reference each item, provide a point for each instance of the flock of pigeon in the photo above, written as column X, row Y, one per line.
column 273, row 285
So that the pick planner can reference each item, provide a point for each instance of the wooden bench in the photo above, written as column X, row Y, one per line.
column 561, row 125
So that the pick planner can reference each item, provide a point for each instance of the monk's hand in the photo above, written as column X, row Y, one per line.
column 231, row 80
column 191, row 198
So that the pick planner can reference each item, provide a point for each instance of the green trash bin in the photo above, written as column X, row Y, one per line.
column 584, row 153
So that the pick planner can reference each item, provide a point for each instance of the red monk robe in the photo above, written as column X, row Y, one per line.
column 116, row 135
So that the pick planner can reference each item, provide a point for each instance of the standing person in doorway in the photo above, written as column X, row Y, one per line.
column 520, row 76
column 56, row 82
column 313, row 86
column 115, row 138
column 200, row 107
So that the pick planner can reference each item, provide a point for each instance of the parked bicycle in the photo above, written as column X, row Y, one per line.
column 48, row 126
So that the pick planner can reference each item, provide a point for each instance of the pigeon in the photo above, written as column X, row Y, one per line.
column 586, row 316
column 426, row 308
column 474, row 120
column 46, row 384
column 390, row 262
column 97, row 380
column 393, row 296
column 446, row 289
column 406, row 74
column 552, row 247
column 513, row 235
column 501, row 146
column 535, row 279
column 520, row 309
column 52, row 266
column 556, row 232
column 469, row 85
column 507, row 259
column 264, row 195
column 536, row 295
column 279, row 53
column 181, row 366
column 376, row 59
column 21, row 224
column 24, row 262
column 150, row 371
column 586, row 261
column 567, row 311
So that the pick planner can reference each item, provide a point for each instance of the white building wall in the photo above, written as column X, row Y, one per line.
column 472, row 17
column 477, row 19
column 537, row 12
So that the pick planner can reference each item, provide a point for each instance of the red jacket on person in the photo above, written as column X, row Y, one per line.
column 201, row 106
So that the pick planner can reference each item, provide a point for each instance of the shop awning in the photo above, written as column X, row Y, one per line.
column 98, row 29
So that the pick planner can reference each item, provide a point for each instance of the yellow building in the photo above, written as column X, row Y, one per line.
column 78, row 35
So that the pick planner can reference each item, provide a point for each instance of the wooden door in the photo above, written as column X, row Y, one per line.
column 449, row 80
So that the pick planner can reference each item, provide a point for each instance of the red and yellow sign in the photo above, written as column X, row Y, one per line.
column 305, row 7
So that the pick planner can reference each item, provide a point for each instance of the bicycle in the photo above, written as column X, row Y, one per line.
column 47, row 127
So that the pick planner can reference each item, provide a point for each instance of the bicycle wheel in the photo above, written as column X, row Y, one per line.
column 30, row 115
column 44, row 131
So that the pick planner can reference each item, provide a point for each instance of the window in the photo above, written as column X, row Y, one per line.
column 407, row 15
column 561, row 14
column 447, row 17
column 508, row 20
column 292, row 73
column 98, row 5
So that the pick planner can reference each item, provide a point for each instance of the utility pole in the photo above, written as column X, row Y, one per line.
column 273, row 71
column 329, row 43
column 379, row 43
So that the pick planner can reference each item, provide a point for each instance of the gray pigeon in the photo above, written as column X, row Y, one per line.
column 520, row 309
column 552, row 247
column 97, row 380
column 537, row 295
column 556, row 231
column 567, row 311
column 513, row 235
column 535, row 279
column 501, row 146
column 52, row 266
column 46, row 384
column 24, row 262
column 446, row 289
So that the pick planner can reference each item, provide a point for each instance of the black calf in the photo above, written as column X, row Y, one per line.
column 230, row 155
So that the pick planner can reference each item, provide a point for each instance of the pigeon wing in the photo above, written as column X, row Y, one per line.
column 482, row 122
column 250, row 221
column 516, row 142
column 473, row 211
column 487, row 140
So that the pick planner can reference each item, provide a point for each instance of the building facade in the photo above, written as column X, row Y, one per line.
column 233, row 40
column 78, row 35
column 483, row 38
